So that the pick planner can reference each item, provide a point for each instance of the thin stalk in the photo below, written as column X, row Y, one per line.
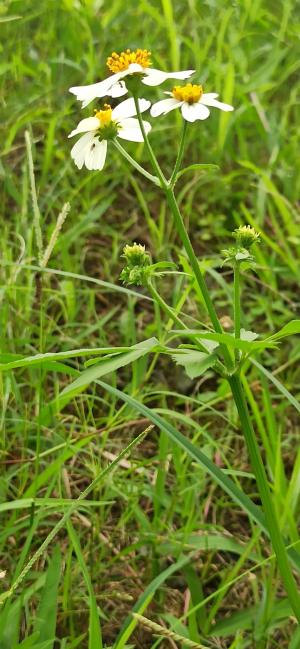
column 192, row 258
column 155, row 164
column 135, row 164
column 265, row 495
column 163, row 305
column 237, row 302
column 181, row 229
column 237, row 305
column 35, row 206
column 179, row 155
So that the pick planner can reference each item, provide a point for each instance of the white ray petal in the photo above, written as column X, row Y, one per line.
column 134, row 67
column 164, row 106
column 209, row 95
column 191, row 112
column 182, row 74
column 79, row 149
column 216, row 104
column 86, row 94
column 95, row 155
column 127, row 108
column 117, row 90
column 130, row 130
column 88, row 124
column 155, row 77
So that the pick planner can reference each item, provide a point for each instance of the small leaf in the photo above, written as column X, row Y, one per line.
column 194, row 362
column 289, row 329
column 248, row 335
column 197, row 167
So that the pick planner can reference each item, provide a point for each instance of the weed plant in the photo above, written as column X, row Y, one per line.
column 149, row 424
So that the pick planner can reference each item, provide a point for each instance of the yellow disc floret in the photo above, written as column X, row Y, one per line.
column 104, row 116
column 120, row 62
column 189, row 93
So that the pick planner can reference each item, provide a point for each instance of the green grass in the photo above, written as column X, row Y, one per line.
column 161, row 535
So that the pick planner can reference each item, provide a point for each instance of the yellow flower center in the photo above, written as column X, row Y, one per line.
column 104, row 116
column 189, row 93
column 120, row 62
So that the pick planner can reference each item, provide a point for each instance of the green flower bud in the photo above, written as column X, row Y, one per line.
column 246, row 236
column 137, row 268
column 136, row 255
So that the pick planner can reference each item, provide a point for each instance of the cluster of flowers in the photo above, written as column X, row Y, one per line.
column 107, row 124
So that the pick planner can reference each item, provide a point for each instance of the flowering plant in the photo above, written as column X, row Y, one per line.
column 206, row 348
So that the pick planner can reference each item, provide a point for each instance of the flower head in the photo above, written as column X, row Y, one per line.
column 126, row 64
column 136, row 255
column 107, row 124
column 246, row 236
column 120, row 62
column 136, row 270
column 192, row 101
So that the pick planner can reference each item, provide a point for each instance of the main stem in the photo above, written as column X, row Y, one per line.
column 237, row 304
column 237, row 392
column 167, row 188
column 265, row 495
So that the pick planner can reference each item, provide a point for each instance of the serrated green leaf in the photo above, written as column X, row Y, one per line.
column 194, row 362
column 248, row 335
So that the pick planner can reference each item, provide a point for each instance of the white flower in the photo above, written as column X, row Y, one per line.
column 107, row 124
column 192, row 101
column 122, row 65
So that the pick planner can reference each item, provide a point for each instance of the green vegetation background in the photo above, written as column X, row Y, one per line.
column 248, row 52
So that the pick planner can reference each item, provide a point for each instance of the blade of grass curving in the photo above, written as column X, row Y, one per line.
column 145, row 599
column 4, row 596
column 280, row 387
column 95, row 637
column 85, row 278
column 45, row 623
column 40, row 359
column 107, row 365
column 237, row 495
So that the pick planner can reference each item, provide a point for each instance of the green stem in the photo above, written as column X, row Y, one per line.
column 163, row 305
column 192, row 258
column 155, row 164
column 181, row 229
column 237, row 303
column 265, row 495
column 179, row 155
column 135, row 164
